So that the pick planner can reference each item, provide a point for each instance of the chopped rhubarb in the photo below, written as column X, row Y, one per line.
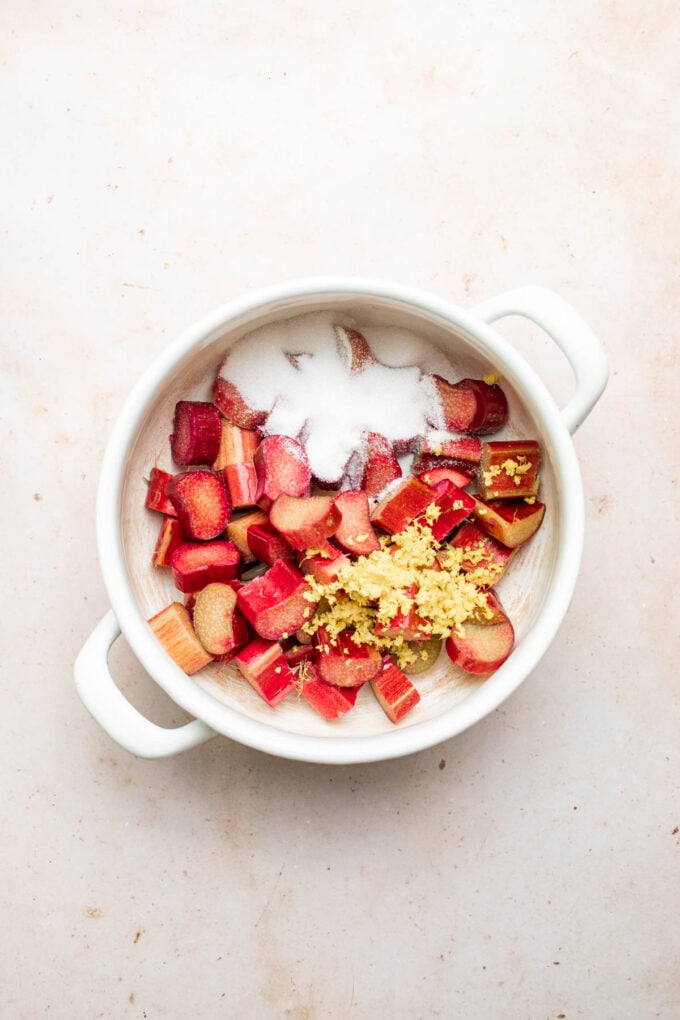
column 275, row 604
column 305, row 522
column 485, row 644
column 343, row 662
column 510, row 521
column 467, row 406
column 454, row 506
column 425, row 463
column 433, row 476
column 467, row 449
column 237, row 531
column 233, row 406
column 355, row 532
column 242, row 484
column 509, row 469
column 170, row 537
column 156, row 498
column 329, row 700
column 325, row 565
column 202, row 503
column 492, row 406
column 295, row 654
column 173, row 628
column 267, row 544
column 237, row 446
column 216, row 620
column 393, row 690
column 282, row 468
column 196, row 431
column 196, row 564
column 485, row 559
column 264, row 666
column 406, row 623
column 353, row 349
column 401, row 506
column 426, row 653
column 381, row 466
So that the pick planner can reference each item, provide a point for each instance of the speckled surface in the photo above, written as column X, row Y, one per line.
column 162, row 158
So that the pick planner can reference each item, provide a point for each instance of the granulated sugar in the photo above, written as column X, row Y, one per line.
column 293, row 371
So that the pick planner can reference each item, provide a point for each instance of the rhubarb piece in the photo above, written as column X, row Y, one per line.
column 282, row 469
column 404, row 447
column 393, row 690
column 264, row 666
column 295, row 654
column 381, row 466
column 424, row 463
column 355, row 532
column 196, row 433
column 156, row 498
column 343, row 662
column 454, row 506
column 452, row 407
column 196, row 564
column 485, row 559
column 467, row 449
column 275, row 604
column 401, row 507
column 325, row 565
column 234, row 407
column 328, row 700
column 353, row 349
column 242, row 484
column 237, row 531
column 485, row 644
column 237, row 446
column 202, row 503
column 433, row 476
column 426, row 652
column 509, row 470
column 492, row 406
column 173, row 628
column 170, row 537
column 510, row 521
column 305, row 522
column 267, row 545
column 406, row 623
column 219, row 626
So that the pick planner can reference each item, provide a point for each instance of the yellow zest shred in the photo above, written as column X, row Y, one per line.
column 491, row 378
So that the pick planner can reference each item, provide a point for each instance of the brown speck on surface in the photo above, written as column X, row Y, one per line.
column 137, row 937
column 504, row 242
column 141, row 231
column 94, row 912
column 442, row 763
column 675, row 831
column 575, row 807
column 131, row 998
column 561, row 1016
column 37, row 497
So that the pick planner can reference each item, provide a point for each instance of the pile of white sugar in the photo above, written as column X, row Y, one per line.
column 293, row 371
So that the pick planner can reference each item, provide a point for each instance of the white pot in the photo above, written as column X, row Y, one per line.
column 536, row 591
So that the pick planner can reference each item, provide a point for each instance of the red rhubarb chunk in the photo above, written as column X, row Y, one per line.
column 242, row 484
column 196, row 431
column 267, row 545
column 196, row 564
column 353, row 349
column 325, row 565
column 170, row 537
column 237, row 531
column 406, row 624
column 275, row 603
column 217, row 622
column 234, row 407
column 452, row 407
column 355, row 532
column 282, row 469
column 305, row 522
column 393, row 690
column 328, row 700
column 460, row 448
column 343, row 662
column 433, row 476
column 381, row 466
column 174, row 629
column 155, row 496
column 264, row 666
column 237, row 446
column 454, row 505
column 509, row 469
column 485, row 558
column 202, row 503
column 510, row 521
column 401, row 507
column 485, row 643
column 492, row 406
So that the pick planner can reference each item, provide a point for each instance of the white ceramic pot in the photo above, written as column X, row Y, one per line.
column 536, row 591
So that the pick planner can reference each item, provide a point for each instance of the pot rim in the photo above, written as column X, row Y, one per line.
column 358, row 748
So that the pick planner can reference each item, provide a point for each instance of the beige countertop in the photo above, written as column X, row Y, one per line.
column 159, row 159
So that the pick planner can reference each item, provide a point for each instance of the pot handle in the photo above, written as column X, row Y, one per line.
column 570, row 332
column 113, row 711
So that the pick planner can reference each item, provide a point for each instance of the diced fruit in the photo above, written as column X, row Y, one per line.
column 242, row 484
column 329, row 700
column 355, row 532
column 353, row 349
column 156, row 498
column 425, row 463
column 394, row 692
column 305, row 522
column 233, row 406
column 216, row 620
column 295, row 654
column 237, row 531
column 485, row 559
column 433, row 476
column 237, row 446
column 510, row 521
column 275, row 604
column 485, row 644
column 468, row 448
column 282, row 469
column 196, row 430
column 406, row 624
column 173, row 628
column 401, row 506
column 264, row 666
column 404, row 447
column 202, row 503
column 267, row 545
column 196, row 564
column 509, row 469
column 324, row 566
column 426, row 652
column 492, row 406
column 170, row 537
column 381, row 465
column 452, row 407
column 341, row 661
column 454, row 505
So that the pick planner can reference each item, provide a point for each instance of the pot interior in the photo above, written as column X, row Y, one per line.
column 522, row 590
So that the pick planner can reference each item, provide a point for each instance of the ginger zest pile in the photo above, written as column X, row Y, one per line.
column 374, row 589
